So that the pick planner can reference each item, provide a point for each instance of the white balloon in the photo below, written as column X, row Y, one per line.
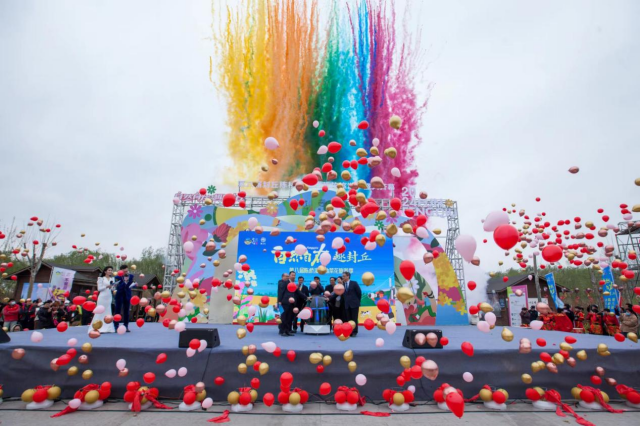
column 379, row 342
column 390, row 327
column 237, row 266
column 271, row 143
column 121, row 364
column 395, row 172
column 252, row 310
column 182, row 313
column 208, row 402
column 180, row 326
column 252, row 222
column 490, row 317
column 182, row 371
column 375, row 142
column 323, row 150
column 170, row 373
column 74, row 403
column 468, row 377
column 305, row 314
column 371, row 245
column 189, row 306
column 495, row 219
column 300, row 249
column 98, row 309
column 36, row 337
column 466, row 246
column 483, row 326
column 188, row 246
column 122, row 329
column 72, row 342
column 536, row 325
column 203, row 345
column 337, row 243
column 316, row 123
column 325, row 258
column 361, row 380
column 422, row 232
column 412, row 389
column 176, row 200
column 269, row 347
column 190, row 352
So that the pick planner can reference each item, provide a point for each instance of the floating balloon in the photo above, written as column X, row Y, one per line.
column 506, row 236
column 36, row 337
column 490, row 317
column 170, row 373
column 536, row 325
column 379, row 342
column 495, row 219
column 361, row 380
column 407, row 269
column 271, row 143
column 467, row 377
column 574, row 169
column 483, row 326
column 466, row 246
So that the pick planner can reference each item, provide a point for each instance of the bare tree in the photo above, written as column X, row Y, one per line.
column 33, row 245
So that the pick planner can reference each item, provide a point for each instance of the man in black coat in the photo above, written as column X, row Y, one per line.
column 282, row 284
column 352, row 297
column 301, row 303
column 289, row 300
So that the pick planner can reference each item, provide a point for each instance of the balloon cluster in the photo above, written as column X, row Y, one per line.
column 292, row 400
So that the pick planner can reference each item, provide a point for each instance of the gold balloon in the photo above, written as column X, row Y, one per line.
column 381, row 240
column 405, row 361
column 566, row 347
column 352, row 366
column 535, row 367
column 294, row 398
column 605, row 396
column 92, row 396
column 27, row 396
column 54, row 392
column 321, row 270
column 581, row 355
column 263, row 369
column 437, row 231
column 368, row 278
column 395, row 122
column 398, row 398
column 526, row 378
column 233, row 398
column 575, row 393
column 506, row 334
column 242, row 320
column 404, row 295
column 602, row 347
column 254, row 395
column 485, row 307
column 348, row 356
column 391, row 152
column 633, row 337
column 87, row 374
column 486, row 395
column 200, row 396
column 315, row 358
column 87, row 347
column 251, row 359
column 245, row 350
column 242, row 368
column 326, row 360
column 72, row 371
column 557, row 359
column 241, row 333
column 97, row 325
column 506, row 394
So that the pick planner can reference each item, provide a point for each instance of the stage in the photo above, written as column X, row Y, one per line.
column 495, row 361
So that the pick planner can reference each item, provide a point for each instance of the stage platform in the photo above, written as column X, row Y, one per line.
column 495, row 361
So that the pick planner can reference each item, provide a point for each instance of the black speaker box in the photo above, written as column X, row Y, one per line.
column 409, row 340
column 208, row 334
column 4, row 337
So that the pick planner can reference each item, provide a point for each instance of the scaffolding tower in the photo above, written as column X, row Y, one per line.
column 628, row 239
column 447, row 209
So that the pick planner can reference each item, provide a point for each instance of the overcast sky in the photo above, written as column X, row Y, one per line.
column 106, row 111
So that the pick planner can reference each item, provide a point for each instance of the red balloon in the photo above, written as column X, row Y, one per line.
column 416, row 372
column 444, row 341
column 268, row 399
column 64, row 359
column 264, row 300
column 89, row 305
column 363, row 125
column 320, row 368
column 219, row 381
column 396, row 204
column 62, row 327
column 499, row 397
column 467, row 348
column 161, row 358
column 135, row 300
column 291, row 287
column 455, row 403
column 79, row 300
column 334, row 147
column 541, row 342
column 570, row 340
column 228, row 200
column 291, row 356
column 352, row 397
column 40, row 395
column 149, row 378
column 383, row 305
column 255, row 383
column 194, row 344
column 473, row 309
column 189, row 398
column 407, row 269
column 506, row 236
column 619, row 337
column 596, row 380
column 340, row 397
column 633, row 397
column 310, row 179
column 369, row 324
column 532, row 394
column 325, row 389
column 250, row 326
column 286, row 379
column 245, row 398
column 471, row 285
column 400, row 381
column 552, row 253
column 587, row 396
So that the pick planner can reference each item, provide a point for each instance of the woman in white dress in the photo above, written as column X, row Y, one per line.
column 105, row 283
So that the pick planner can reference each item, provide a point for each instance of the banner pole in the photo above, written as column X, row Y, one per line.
column 535, row 274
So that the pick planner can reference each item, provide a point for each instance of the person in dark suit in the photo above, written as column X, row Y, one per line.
column 301, row 303
column 352, row 297
column 289, row 300
column 124, row 283
column 315, row 288
column 284, row 280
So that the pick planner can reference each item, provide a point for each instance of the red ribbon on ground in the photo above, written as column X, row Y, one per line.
column 375, row 413
column 83, row 393
column 621, row 389
column 600, row 399
column 554, row 397
column 136, row 405
column 221, row 419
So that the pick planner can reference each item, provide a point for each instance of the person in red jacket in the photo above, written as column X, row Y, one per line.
column 11, row 313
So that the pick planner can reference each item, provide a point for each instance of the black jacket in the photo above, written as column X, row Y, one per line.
column 533, row 314
column 284, row 294
column 45, row 318
column 352, row 295
column 302, row 301
column 318, row 291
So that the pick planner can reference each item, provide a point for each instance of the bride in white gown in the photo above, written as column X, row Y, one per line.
column 105, row 283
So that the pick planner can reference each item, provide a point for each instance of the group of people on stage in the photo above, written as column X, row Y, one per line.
column 593, row 321
column 342, row 297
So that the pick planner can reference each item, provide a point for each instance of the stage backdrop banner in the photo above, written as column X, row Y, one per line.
column 553, row 292
column 516, row 303
column 40, row 291
column 266, row 268
column 61, row 282
column 611, row 300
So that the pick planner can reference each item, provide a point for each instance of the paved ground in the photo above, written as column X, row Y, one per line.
column 12, row 413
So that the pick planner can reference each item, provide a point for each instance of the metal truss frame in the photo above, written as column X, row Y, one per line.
column 627, row 239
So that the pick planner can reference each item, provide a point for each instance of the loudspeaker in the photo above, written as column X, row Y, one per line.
column 208, row 334
column 409, row 340
column 4, row 337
